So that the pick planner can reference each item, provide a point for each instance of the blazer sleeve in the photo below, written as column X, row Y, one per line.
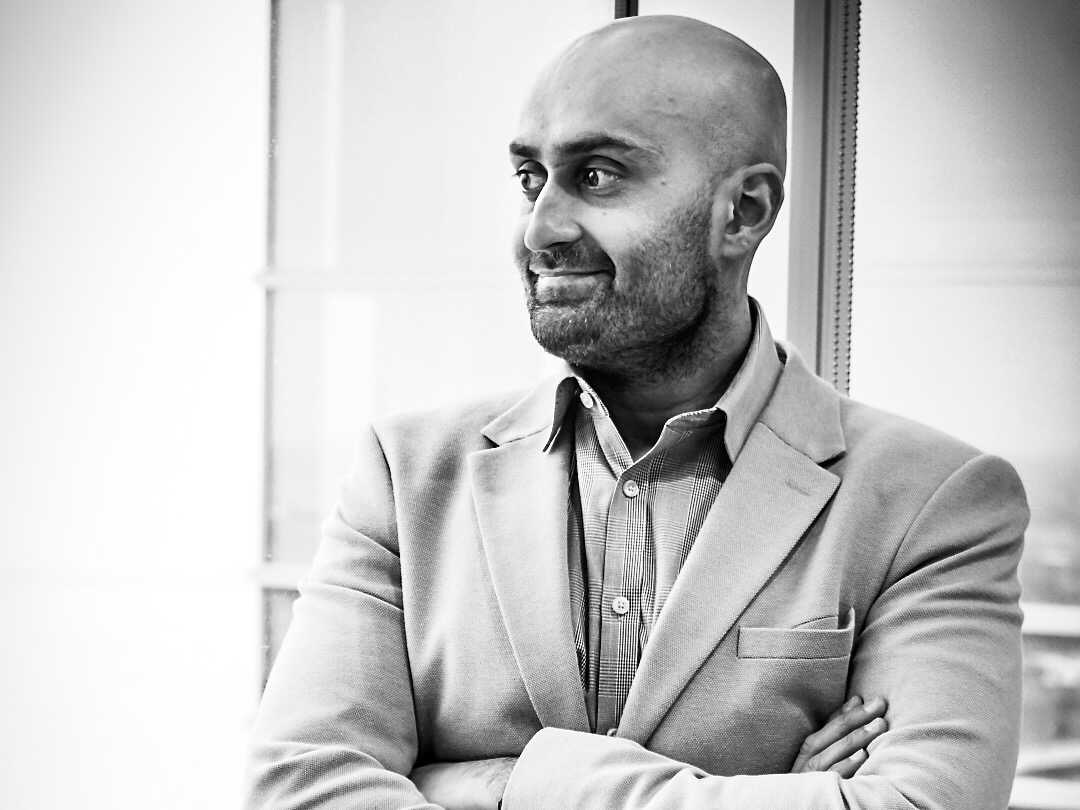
column 336, row 726
column 941, row 642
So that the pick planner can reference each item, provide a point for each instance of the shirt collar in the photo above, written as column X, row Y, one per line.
column 741, row 404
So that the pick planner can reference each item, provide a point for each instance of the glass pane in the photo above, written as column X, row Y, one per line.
column 967, row 274
column 968, row 244
column 392, row 125
column 769, row 29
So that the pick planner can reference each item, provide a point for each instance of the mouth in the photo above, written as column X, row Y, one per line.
column 563, row 272
column 566, row 286
column 570, row 276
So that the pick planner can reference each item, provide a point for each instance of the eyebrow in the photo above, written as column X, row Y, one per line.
column 590, row 142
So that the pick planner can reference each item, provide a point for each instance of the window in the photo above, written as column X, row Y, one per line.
column 967, row 291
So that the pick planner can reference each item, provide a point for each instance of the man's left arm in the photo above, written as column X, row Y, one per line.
column 941, row 642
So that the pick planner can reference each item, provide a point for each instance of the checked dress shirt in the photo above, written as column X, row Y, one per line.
column 632, row 524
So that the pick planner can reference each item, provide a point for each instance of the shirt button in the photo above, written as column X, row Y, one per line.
column 587, row 400
column 621, row 605
column 630, row 488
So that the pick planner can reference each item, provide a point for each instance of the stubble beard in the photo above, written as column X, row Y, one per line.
column 650, row 327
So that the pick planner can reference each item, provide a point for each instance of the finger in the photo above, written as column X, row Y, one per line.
column 849, row 720
column 847, row 767
column 851, row 704
column 850, row 744
column 875, row 707
column 852, row 715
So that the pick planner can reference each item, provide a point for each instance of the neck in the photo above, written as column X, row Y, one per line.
column 641, row 403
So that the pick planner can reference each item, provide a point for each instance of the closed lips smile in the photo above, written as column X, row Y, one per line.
column 567, row 273
column 559, row 280
column 565, row 287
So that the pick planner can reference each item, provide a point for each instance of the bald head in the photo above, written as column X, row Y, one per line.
column 701, row 80
column 651, row 160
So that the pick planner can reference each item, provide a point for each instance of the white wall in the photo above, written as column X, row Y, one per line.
column 132, row 200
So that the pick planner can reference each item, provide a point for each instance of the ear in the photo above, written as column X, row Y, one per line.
column 745, row 208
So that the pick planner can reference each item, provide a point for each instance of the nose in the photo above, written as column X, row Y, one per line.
column 551, row 220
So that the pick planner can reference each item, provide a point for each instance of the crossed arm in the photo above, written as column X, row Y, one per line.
column 340, row 728
column 839, row 747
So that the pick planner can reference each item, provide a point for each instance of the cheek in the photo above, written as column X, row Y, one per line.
column 617, row 236
column 633, row 254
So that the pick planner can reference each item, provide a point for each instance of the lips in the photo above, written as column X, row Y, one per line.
column 577, row 259
column 542, row 267
column 568, row 275
column 564, row 273
column 567, row 287
column 545, row 268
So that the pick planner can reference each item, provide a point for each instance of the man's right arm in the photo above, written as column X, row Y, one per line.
column 336, row 727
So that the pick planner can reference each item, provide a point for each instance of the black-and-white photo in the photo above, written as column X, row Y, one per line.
column 504, row 405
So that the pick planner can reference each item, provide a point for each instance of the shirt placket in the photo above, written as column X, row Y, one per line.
column 626, row 533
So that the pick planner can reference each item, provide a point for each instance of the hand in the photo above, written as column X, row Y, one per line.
column 840, row 745
column 476, row 785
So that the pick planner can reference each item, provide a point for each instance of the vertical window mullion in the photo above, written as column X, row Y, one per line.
column 823, row 190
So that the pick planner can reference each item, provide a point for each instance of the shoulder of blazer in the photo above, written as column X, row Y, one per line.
column 811, row 416
column 899, row 445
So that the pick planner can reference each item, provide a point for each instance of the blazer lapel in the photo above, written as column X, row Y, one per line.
column 774, row 492
column 520, row 493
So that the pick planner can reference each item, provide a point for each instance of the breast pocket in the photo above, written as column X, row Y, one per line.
column 797, row 642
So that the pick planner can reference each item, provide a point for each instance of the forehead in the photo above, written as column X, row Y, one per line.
column 567, row 108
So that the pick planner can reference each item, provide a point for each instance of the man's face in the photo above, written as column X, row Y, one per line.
column 613, row 240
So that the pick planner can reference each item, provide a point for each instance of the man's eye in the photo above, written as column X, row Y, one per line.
column 599, row 178
column 530, row 181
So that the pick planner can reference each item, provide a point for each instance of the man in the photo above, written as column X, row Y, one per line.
column 667, row 577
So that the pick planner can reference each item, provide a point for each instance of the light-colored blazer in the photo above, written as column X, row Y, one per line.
column 848, row 552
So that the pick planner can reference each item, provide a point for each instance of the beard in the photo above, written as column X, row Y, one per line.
column 644, row 320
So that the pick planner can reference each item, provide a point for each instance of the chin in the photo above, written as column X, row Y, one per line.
column 563, row 333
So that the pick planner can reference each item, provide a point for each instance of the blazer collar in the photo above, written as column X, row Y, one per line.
column 535, row 412
column 522, row 495
column 804, row 410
